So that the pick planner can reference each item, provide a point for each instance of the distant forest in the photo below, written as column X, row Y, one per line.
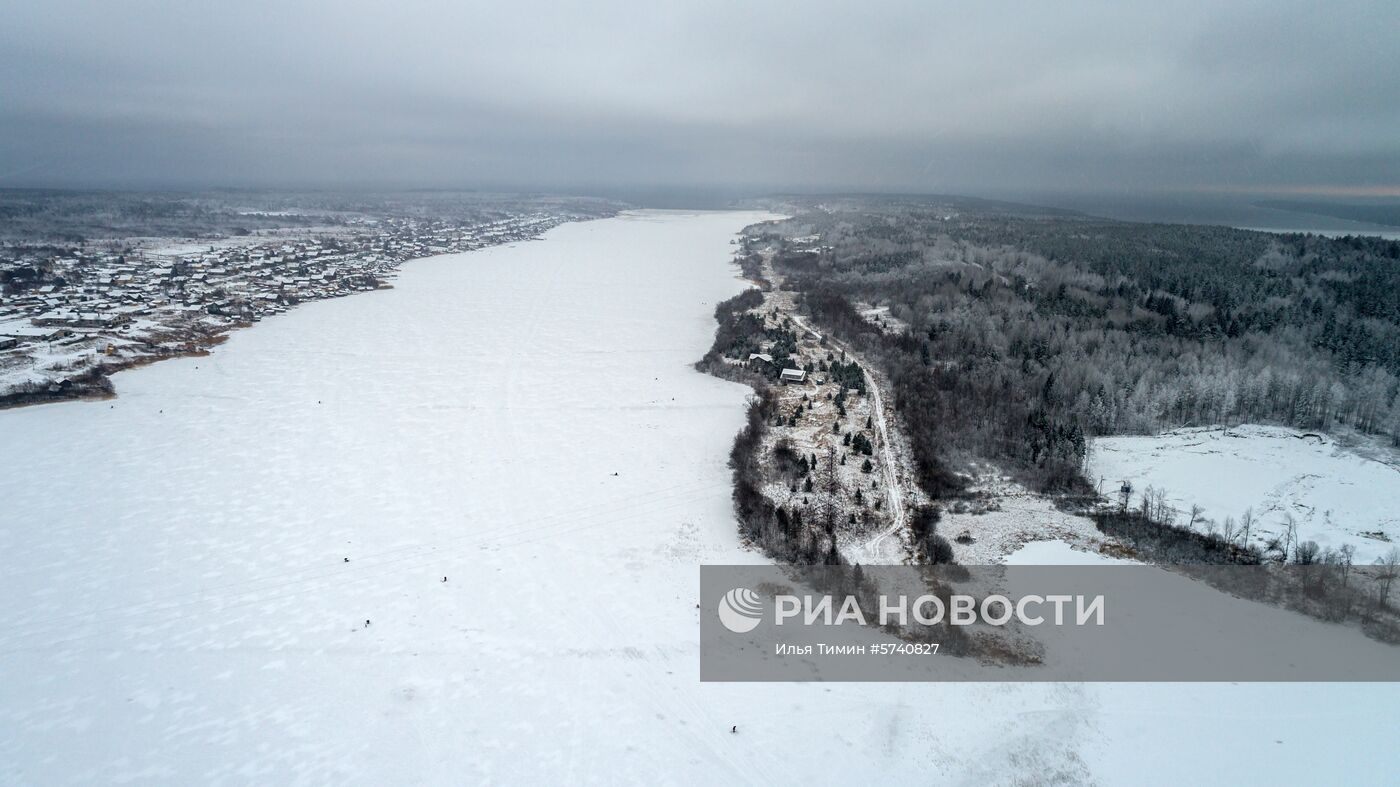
column 1030, row 331
column 32, row 218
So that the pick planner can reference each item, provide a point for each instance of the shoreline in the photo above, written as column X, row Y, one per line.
column 207, row 517
column 93, row 381
column 762, row 496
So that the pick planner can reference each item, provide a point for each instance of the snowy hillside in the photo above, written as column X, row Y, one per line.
column 1336, row 495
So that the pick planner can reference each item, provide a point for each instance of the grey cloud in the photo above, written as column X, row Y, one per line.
column 905, row 96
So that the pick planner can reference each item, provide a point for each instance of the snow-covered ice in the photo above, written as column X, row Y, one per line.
column 1336, row 495
column 524, row 422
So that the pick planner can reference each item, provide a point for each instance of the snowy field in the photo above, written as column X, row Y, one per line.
column 1017, row 517
column 524, row 422
column 1335, row 495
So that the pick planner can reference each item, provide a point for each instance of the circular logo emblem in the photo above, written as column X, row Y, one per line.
column 740, row 610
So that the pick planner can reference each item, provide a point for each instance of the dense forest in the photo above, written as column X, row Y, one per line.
column 1026, row 332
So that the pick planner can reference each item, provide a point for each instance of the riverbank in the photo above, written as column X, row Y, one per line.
column 525, row 422
column 821, row 473
column 108, row 313
column 522, row 420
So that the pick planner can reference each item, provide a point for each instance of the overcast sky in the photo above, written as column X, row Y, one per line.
column 924, row 96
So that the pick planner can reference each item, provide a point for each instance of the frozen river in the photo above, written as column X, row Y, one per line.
column 448, row 533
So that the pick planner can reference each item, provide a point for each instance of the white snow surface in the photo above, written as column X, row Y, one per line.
column 1055, row 552
column 1336, row 495
column 177, row 608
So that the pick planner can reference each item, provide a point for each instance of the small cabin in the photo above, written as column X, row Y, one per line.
column 792, row 376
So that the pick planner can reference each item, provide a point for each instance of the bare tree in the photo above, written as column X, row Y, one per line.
column 1345, row 555
column 1306, row 553
column 1196, row 512
column 1246, row 524
column 1229, row 530
column 1155, row 508
column 1290, row 535
column 1389, row 570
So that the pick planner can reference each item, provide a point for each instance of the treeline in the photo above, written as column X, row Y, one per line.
column 1168, row 543
column 751, row 265
column 783, row 534
column 738, row 334
column 1031, row 332
column 1322, row 583
column 1203, row 283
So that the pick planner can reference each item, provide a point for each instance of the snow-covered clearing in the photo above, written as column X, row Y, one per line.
column 1006, row 516
column 880, row 317
column 1336, row 495
column 178, row 608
